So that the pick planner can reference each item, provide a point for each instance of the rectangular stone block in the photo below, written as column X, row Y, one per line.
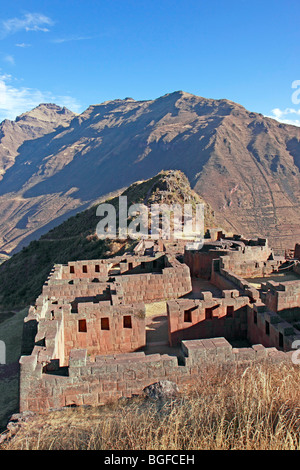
column 78, row 357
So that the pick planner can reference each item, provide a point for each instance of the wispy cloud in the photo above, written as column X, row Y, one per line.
column 23, row 44
column 16, row 100
column 71, row 38
column 29, row 22
column 286, row 116
column 9, row 59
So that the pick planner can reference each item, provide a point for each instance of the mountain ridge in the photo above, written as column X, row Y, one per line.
column 244, row 164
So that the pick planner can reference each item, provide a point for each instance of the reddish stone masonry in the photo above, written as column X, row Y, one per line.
column 85, row 338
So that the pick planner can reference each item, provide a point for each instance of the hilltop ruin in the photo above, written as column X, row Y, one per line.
column 90, row 339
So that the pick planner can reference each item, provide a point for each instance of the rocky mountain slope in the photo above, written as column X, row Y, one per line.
column 244, row 165
column 29, row 126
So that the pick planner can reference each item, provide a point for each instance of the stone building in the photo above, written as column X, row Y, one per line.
column 87, row 338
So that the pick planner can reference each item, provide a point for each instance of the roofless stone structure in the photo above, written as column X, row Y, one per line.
column 89, row 338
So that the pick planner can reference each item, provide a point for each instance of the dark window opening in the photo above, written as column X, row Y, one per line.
column 280, row 340
column 127, row 321
column 105, row 323
column 216, row 265
column 82, row 326
column 219, row 235
column 130, row 266
column 255, row 318
column 267, row 328
column 187, row 316
column 72, row 269
column 208, row 313
column 97, row 268
column 230, row 311
column 84, row 269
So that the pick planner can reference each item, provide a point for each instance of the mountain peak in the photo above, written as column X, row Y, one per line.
column 49, row 112
column 237, row 160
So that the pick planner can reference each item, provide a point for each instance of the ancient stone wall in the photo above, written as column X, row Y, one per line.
column 77, row 289
column 102, row 328
column 297, row 251
column 281, row 296
column 246, row 258
column 99, row 327
column 269, row 328
column 296, row 268
column 90, row 269
column 225, row 279
column 174, row 281
column 161, row 278
column 207, row 318
column 109, row 378
column 200, row 263
column 90, row 318
column 248, row 266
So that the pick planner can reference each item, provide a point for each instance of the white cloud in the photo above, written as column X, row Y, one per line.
column 286, row 116
column 9, row 59
column 29, row 22
column 16, row 100
column 71, row 38
column 23, row 44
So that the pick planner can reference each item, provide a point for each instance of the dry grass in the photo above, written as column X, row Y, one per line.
column 255, row 409
column 156, row 308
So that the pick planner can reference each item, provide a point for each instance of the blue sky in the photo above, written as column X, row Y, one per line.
column 76, row 53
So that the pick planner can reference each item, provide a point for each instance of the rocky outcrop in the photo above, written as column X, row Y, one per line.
column 162, row 390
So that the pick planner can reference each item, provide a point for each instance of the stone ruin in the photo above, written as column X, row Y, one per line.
column 87, row 341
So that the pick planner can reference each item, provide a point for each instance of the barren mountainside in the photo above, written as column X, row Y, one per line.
column 54, row 163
